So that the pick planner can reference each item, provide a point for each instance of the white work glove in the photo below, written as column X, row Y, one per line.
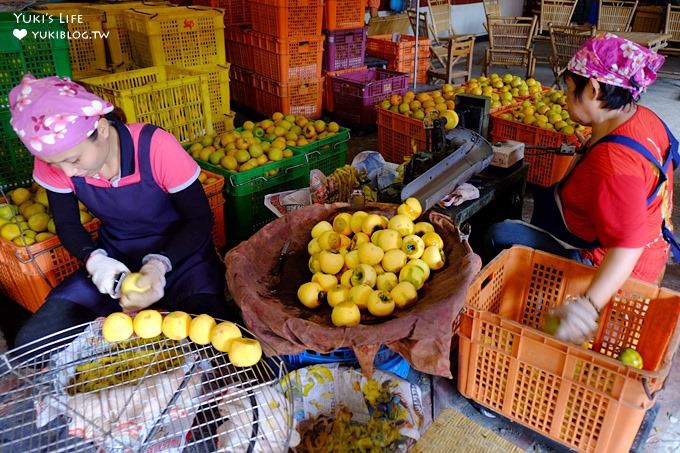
column 153, row 276
column 578, row 320
column 103, row 271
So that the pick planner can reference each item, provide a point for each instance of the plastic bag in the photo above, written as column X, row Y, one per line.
column 372, row 169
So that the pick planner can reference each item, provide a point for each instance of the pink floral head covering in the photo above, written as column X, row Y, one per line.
column 51, row 115
column 617, row 61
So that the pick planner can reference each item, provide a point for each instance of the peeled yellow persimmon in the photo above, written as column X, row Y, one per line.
column 223, row 334
column 200, row 328
column 176, row 325
column 148, row 324
column 130, row 284
column 245, row 352
column 117, row 327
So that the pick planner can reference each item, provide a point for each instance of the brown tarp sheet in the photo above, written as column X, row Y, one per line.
column 421, row 334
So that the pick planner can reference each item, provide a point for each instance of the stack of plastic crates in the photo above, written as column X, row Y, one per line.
column 280, row 57
column 578, row 395
column 118, row 39
column 356, row 94
column 400, row 53
column 345, row 46
column 42, row 58
column 184, row 37
column 86, row 37
column 244, row 192
column 236, row 12
column 176, row 99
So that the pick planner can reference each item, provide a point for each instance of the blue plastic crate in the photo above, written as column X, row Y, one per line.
column 385, row 360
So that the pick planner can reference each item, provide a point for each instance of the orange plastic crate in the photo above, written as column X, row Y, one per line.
column 216, row 201
column 396, row 51
column 242, row 90
column 238, row 51
column 344, row 14
column 286, row 60
column 297, row 98
column 545, row 169
column 28, row 274
column 236, row 12
column 287, row 18
column 399, row 136
column 400, row 54
column 328, row 87
column 584, row 399
column 406, row 66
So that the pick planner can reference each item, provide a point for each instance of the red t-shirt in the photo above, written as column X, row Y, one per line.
column 604, row 197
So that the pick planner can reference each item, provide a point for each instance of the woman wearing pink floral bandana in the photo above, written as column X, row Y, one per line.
column 141, row 184
column 613, row 209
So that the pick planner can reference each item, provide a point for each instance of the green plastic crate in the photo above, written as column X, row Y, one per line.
column 327, row 154
column 40, row 57
column 244, row 192
column 16, row 163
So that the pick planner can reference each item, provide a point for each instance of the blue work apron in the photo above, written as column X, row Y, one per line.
column 138, row 219
column 548, row 214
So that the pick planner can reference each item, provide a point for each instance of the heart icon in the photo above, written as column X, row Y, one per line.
column 20, row 33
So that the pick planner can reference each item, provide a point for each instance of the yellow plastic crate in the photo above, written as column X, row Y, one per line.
column 182, row 36
column 88, row 55
column 218, row 87
column 176, row 99
column 118, row 40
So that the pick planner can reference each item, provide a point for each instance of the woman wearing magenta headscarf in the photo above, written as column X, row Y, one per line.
column 143, row 187
column 613, row 209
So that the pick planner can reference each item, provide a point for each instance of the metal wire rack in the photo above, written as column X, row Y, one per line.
column 73, row 392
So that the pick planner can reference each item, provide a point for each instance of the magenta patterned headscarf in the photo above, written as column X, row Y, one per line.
column 52, row 115
column 617, row 61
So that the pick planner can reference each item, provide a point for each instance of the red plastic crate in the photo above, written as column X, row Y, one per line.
column 286, row 60
column 242, row 90
column 287, row 18
column 545, row 169
column 344, row 14
column 356, row 93
column 236, row 12
column 345, row 49
column 399, row 136
column 237, row 48
column 296, row 98
column 582, row 398
column 328, row 101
